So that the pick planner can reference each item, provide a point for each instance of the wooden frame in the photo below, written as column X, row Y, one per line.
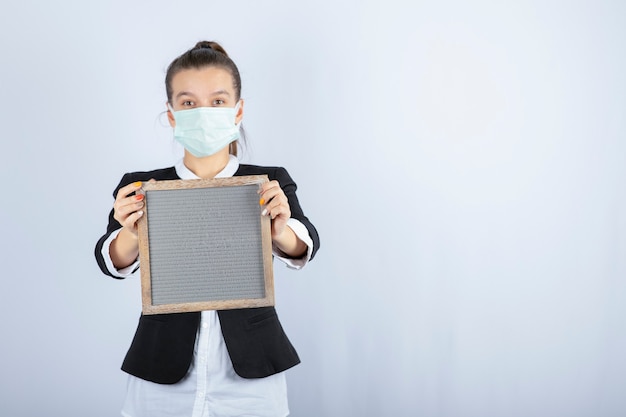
column 204, row 245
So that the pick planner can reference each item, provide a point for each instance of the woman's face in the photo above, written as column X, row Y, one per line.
column 204, row 87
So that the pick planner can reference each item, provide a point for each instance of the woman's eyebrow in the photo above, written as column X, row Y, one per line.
column 215, row 93
column 220, row 92
column 184, row 93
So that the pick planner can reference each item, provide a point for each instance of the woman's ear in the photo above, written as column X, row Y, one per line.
column 170, row 116
column 239, row 115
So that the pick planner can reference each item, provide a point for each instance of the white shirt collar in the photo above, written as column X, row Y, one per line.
column 229, row 170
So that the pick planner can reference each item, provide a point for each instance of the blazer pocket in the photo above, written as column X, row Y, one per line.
column 153, row 318
column 261, row 319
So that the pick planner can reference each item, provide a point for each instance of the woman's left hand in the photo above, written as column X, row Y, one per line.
column 275, row 205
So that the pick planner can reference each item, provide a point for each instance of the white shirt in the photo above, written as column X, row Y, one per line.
column 211, row 387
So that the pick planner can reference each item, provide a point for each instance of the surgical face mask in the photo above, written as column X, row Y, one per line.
column 204, row 131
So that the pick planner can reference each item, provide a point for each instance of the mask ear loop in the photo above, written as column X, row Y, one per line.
column 236, row 110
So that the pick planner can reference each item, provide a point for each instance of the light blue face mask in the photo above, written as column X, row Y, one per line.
column 204, row 131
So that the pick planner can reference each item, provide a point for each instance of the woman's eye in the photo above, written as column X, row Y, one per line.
column 187, row 103
column 218, row 102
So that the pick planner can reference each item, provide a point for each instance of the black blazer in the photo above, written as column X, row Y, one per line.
column 162, row 349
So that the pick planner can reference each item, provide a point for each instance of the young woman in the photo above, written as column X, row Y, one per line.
column 210, row 363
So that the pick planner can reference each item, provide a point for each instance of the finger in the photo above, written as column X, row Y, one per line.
column 278, row 225
column 128, row 189
column 267, row 185
column 276, row 207
column 279, row 211
column 131, row 221
column 127, row 206
column 268, row 191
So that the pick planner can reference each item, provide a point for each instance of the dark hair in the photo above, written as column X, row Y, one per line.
column 205, row 54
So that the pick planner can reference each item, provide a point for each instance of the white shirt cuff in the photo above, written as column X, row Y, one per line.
column 119, row 273
column 303, row 234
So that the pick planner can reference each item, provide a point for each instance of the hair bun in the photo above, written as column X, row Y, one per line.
column 210, row 45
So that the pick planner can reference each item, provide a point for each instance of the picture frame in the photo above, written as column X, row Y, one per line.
column 204, row 245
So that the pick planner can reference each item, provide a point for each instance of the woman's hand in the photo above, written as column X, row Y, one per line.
column 127, row 208
column 276, row 205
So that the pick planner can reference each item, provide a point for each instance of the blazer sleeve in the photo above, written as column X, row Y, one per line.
column 289, row 188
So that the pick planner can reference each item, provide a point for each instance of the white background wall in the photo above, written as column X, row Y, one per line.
column 464, row 163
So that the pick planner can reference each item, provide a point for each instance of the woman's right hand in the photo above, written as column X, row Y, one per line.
column 127, row 208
